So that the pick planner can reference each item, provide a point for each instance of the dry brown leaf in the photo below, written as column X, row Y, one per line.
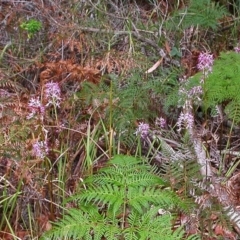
column 43, row 221
column 168, row 48
column 221, row 231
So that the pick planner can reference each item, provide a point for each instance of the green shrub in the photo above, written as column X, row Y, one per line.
column 32, row 26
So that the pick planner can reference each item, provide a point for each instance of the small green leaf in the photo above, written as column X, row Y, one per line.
column 175, row 52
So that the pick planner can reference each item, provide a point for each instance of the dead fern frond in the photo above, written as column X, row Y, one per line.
column 67, row 71
column 12, row 108
column 5, row 82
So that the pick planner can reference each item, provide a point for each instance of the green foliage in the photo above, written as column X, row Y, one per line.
column 223, row 83
column 131, row 99
column 121, row 201
column 197, row 15
column 222, row 86
column 32, row 26
column 182, row 167
column 171, row 99
column 176, row 93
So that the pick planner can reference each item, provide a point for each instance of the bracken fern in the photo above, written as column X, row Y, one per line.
column 121, row 201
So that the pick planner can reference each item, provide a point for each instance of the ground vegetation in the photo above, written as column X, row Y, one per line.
column 120, row 114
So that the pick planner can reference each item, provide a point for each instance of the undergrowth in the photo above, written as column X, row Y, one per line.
column 117, row 65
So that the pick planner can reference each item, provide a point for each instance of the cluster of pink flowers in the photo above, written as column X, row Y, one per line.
column 36, row 108
column 237, row 49
column 161, row 122
column 195, row 91
column 205, row 62
column 52, row 93
column 4, row 93
column 143, row 130
column 40, row 149
column 185, row 120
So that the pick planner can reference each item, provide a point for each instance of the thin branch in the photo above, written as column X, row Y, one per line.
column 138, row 36
column 134, row 33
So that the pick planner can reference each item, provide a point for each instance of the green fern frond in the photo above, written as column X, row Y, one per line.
column 207, row 17
column 133, row 178
column 133, row 104
column 151, row 226
column 223, row 83
column 121, row 160
column 130, row 171
column 79, row 225
column 172, row 99
column 109, row 186
column 141, row 198
column 120, row 209
column 110, row 195
column 233, row 111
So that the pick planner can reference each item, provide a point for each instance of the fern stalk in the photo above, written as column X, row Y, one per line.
column 198, row 147
column 4, row 50
column 50, row 185
column 110, row 119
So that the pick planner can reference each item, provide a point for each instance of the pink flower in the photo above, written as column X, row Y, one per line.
column 40, row 149
column 143, row 130
column 185, row 120
column 195, row 93
column 197, row 90
column 52, row 94
column 237, row 49
column 205, row 62
column 36, row 108
column 160, row 122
